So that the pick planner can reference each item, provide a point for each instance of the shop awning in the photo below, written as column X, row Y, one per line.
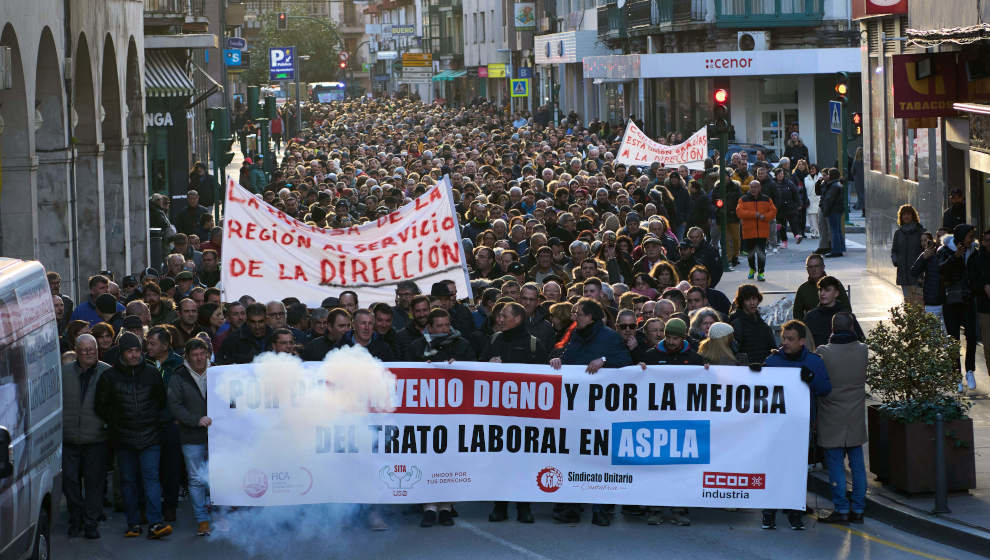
column 165, row 77
column 448, row 75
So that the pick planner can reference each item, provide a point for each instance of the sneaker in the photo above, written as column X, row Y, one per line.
column 159, row 530
column 855, row 517
column 568, row 516
column 970, row 380
column 524, row 513
column 796, row 521
column 654, row 518
column 446, row 518
column 752, row 273
column 429, row 518
column 203, row 529
column 835, row 517
column 133, row 531
column 775, row 250
column 798, row 239
column 783, row 245
column 769, row 520
column 761, row 277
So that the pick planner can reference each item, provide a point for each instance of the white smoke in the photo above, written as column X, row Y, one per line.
column 349, row 382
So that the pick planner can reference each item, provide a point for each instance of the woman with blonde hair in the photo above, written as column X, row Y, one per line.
column 717, row 348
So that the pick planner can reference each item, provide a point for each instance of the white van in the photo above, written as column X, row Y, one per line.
column 30, row 411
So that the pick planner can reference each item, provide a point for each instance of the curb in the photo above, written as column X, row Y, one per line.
column 918, row 522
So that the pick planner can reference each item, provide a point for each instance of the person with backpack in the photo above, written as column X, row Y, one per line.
column 514, row 345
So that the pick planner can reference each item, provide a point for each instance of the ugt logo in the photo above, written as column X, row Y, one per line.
column 400, row 478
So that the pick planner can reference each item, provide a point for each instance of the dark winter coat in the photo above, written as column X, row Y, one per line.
column 952, row 269
column 187, row 405
column 593, row 342
column 753, row 335
column 317, row 349
column 81, row 425
column 788, row 199
column 979, row 277
column 927, row 269
column 517, row 346
column 377, row 347
column 905, row 250
column 819, row 322
column 240, row 347
column 132, row 401
column 663, row 356
column 819, row 384
column 832, row 199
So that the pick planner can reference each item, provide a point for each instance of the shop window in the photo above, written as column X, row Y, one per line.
column 876, row 115
column 779, row 90
column 895, row 149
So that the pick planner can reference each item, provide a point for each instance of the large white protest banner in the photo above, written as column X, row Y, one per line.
column 267, row 254
column 638, row 149
column 469, row 431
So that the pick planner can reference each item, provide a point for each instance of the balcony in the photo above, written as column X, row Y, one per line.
column 611, row 22
column 444, row 47
column 445, row 6
column 758, row 14
column 638, row 14
column 677, row 12
column 190, row 15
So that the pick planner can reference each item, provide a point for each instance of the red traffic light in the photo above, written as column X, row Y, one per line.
column 719, row 203
column 721, row 96
column 283, row 20
column 343, row 64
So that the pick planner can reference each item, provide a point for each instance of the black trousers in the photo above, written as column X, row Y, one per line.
column 962, row 315
column 84, row 475
column 757, row 249
column 171, row 464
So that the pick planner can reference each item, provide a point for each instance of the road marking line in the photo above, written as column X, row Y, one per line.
column 894, row 545
column 499, row 540
column 850, row 244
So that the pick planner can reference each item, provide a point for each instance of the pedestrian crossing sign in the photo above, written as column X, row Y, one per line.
column 520, row 87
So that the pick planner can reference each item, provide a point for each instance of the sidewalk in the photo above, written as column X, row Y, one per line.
column 968, row 524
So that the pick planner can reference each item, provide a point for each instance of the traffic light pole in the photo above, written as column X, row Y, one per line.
column 723, row 176
column 842, row 163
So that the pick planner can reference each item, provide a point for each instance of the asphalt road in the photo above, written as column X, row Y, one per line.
column 329, row 532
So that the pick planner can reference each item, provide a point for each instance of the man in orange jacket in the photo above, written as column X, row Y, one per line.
column 755, row 211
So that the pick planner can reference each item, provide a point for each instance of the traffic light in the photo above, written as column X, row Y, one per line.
column 342, row 64
column 841, row 86
column 253, row 94
column 857, row 119
column 270, row 107
column 719, row 203
column 225, row 153
column 219, row 121
column 721, row 109
column 283, row 20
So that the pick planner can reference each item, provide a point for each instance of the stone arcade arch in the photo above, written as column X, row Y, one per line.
column 137, row 184
column 91, row 239
column 18, row 229
column 115, row 166
column 54, row 157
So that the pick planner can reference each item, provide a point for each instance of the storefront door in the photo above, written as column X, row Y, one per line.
column 775, row 124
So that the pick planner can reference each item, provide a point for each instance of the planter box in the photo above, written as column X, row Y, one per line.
column 903, row 455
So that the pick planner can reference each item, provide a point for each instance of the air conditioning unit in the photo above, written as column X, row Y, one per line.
column 753, row 40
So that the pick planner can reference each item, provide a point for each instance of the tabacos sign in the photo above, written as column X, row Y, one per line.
column 158, row 119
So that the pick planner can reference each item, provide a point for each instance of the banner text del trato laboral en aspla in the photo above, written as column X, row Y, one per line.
column 469, row 431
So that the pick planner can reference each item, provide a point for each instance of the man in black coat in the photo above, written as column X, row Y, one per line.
column 420, row 308
column 130, row 398
column 338, row 325
column 536, row 316
column 187, row 221
column 440, row 342
column 253, row 338
column 363, row 334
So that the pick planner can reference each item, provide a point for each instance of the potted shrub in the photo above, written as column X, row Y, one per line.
column 912, row 370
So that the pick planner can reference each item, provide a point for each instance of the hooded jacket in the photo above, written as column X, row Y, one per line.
column 682, row 356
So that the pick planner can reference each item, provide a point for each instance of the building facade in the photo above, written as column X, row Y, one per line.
column 777, row 59
column 72, row 147
column 926, row 114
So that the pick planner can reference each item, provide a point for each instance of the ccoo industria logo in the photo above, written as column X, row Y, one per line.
column 400, row 478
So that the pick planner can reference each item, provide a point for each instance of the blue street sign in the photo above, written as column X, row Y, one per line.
column 282, row 63
column 232, row 57
column 835, row 116
column 239, row 43
column 525, row 72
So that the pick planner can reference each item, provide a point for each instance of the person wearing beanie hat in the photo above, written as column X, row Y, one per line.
column 674, row 349
column 719, row 348
column 130, row 398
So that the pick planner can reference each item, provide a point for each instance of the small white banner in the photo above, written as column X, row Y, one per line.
column 468, row 431
column 638, row 149
column 266, row 252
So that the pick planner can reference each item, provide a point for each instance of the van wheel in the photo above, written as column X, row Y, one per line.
column 43, row 539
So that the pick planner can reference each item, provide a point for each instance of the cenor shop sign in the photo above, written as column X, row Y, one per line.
column 158, row 119
column 749, row 63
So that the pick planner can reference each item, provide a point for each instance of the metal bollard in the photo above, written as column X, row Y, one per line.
column 941, row 483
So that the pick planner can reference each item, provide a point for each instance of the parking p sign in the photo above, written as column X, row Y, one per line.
column 282, row 63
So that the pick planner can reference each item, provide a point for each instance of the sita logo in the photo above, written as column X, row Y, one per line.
column 549, row 479
column 400, row 478
column 255, row 483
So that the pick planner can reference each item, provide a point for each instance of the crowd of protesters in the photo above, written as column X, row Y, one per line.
column 574, row 260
